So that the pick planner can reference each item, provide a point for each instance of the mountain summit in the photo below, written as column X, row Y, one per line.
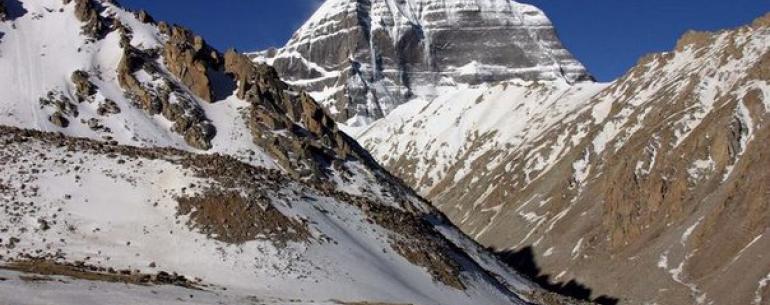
column 362, row 58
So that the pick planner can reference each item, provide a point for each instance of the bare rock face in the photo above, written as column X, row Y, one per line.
column 87, row 11
column 58, row 119
column 309, row 148
column 364, row 58
column 191, row 59
column 144, row 17
column 189, row 119
column 652, row 190
column 84, row 89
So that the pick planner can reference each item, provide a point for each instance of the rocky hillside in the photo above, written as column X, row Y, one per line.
column 140, row 165
column 361, row 59
column 650, row 190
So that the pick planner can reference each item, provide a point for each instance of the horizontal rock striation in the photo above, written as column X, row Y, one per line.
column 361, row 59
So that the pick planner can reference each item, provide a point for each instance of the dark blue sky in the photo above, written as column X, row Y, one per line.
column 608, row 36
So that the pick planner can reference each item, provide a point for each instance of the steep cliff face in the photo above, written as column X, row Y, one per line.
column 361, row 59
column 651, row 189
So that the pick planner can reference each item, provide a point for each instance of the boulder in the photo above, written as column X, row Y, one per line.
column 108, row 107
column 84, row 89
column 58, row 119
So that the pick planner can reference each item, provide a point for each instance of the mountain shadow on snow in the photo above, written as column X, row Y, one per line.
column 524, row 262
column 13, row 9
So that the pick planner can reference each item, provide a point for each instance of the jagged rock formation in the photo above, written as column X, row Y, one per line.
column 155, row 95
column 361, row 59
column 311, row 140
column 87, row 11
column 84, row 88
column 651, row 190
column 189, row 58
column 131, row 161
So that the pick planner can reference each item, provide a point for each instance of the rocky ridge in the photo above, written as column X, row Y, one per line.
column 651, row 189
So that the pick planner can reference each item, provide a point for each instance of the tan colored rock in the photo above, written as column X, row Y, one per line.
column 695, row 39
column 189, row 120
column 144, row 17
column 84, row 89
column 129, row 63
column 242, row 68
column 58, row 119
column 87, row 12
column 312, row 133
column 189, row 58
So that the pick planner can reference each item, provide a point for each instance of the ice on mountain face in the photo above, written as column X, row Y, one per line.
column 379, row 54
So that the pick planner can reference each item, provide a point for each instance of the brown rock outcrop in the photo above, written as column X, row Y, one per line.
column 190, row 59
column 133, row 60
column 763, row 21
column 84, row 89
column 108, row 107
column 230, row 217
column 189, row 119
column 58, row 119
column 312, row 134
column 58, row 102
column 87, row 11
column 144, row 17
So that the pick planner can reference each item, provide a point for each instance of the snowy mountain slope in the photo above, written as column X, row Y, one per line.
column 41, row 50
column 159, row 154
column 652, row 189
column 303, row 242
column 426, row 142
column 361, row 59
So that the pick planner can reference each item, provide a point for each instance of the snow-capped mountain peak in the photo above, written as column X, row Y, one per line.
column 361, row 59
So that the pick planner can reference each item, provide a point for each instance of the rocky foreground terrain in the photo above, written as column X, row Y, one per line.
column 652, row 189
column 139, row 165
